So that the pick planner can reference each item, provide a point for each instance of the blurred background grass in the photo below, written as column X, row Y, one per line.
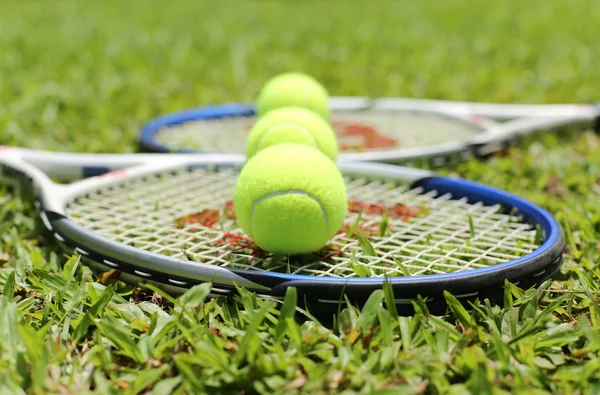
column 83, row 76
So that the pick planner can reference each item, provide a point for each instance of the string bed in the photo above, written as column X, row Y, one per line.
column 357, row 131
column 188, row 214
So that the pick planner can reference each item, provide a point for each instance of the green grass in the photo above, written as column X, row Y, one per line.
column 82, row 76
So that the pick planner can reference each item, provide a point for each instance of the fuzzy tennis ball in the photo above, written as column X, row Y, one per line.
column 290, row 199
column 292, row 125
column 293, row 90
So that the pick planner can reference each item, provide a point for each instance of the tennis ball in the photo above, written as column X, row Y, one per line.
column 292, row 125
column 290, row 199
column 293, row 90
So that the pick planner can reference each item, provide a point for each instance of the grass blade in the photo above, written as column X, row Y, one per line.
column 365, row 244
column 390, row 300
column 458, row 310
column 195, row 295
column 368, row 313
column 250, row 343
column 9, row 287
column 288, row 310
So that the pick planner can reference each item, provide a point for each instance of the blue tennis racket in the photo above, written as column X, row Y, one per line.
column 168, row 220
column 393, row 130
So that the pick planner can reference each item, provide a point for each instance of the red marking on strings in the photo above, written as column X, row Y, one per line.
column 241, row 243
column 353, row 136
column 370, row 229
column 207, row 218
column 210, row 217
column 359, row 136
column 230, row 211
column 328, row 252
column 398, row 211
column 237, row 240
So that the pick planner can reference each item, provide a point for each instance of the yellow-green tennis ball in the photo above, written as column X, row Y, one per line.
column 290, row 199
column 292, row 125
column 293, row 90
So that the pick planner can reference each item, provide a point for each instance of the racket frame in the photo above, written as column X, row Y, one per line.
column 176, row 275
column 519, row 120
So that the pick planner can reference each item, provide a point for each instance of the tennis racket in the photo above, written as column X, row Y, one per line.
column 168, row 220
column 393, row 130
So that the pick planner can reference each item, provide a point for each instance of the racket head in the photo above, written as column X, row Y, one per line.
column 140, row 221
column 367, row 130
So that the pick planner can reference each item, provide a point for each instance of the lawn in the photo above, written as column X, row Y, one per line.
column 83, row 76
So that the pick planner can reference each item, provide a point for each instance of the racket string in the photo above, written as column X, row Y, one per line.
column 356, row 130
column 410, row 247
column 188, row 215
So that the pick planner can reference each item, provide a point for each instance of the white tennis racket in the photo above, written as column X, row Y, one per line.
column 168, row 220
column 393, row 130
